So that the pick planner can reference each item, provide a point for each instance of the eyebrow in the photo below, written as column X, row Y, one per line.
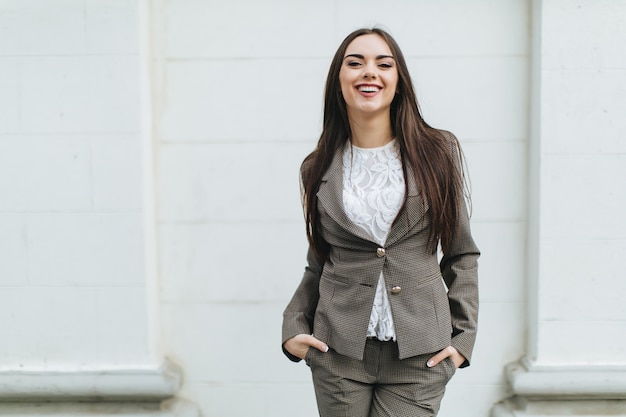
column 362, row 57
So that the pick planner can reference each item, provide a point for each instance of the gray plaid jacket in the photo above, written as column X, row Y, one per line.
column 334, row 299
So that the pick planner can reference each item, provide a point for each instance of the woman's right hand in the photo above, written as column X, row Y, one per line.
column 300, row 344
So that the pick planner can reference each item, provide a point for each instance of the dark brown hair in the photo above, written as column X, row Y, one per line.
column 433, row 158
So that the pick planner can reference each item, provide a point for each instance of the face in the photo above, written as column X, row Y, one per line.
column 368, row 76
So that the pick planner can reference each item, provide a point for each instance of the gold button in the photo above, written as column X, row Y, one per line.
column 380, row 252
column 396, row 289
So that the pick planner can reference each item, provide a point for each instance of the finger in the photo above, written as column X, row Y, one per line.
column 318, row 344
column 435, row 360
column 305, row 341
column 438, row 358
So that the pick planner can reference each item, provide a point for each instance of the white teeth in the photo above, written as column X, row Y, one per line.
column 368, row 89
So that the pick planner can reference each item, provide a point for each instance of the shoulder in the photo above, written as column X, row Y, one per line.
column 318, row 163
column 307, row 166
column 447, row 136
column 452, row 144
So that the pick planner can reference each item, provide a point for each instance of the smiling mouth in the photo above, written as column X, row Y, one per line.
column 368, row 88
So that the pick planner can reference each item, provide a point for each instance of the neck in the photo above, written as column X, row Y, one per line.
column 371, row 132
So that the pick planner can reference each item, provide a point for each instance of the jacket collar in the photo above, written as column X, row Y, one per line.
column 330, row 195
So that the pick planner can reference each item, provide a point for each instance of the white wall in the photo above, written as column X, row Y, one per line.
column 579, row 157
column 72, row 283
column 239, row 98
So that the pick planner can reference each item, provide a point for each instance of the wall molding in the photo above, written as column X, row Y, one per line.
column 566, row 382
column 581, row 390
column 560, row 408
column 170, row 408
column 146, row 383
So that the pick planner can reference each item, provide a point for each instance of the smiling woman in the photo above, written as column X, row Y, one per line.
column 368, row 79
column 381, row 192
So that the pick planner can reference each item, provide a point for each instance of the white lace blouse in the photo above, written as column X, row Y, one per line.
column 373, row 192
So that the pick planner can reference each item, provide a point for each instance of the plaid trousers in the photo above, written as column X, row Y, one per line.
column 380, row 384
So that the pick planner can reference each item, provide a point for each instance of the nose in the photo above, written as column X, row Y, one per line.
column 369, row 74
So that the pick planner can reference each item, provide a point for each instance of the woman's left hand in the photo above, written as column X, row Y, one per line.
column 450, row 352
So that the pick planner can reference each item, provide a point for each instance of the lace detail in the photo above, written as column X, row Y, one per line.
column 373, row 192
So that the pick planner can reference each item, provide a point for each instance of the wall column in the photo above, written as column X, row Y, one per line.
column 576, row 320
column 78, row 280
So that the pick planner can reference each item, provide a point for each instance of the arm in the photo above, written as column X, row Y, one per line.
column 299, row 314
column 459, row 268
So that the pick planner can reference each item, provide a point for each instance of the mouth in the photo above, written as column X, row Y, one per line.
column 368, row 88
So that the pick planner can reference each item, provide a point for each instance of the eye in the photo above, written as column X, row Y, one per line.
column 385, row 65
column 353, row 63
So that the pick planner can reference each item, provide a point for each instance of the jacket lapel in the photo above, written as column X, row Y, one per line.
column 330, row 195
column 412, row 213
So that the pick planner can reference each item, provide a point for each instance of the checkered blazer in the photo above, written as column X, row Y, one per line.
column 335, row 297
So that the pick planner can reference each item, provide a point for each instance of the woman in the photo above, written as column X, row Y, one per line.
column 381, row 192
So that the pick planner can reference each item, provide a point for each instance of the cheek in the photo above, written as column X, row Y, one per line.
column 346, row 88
column 343, row 82
column 393, row 83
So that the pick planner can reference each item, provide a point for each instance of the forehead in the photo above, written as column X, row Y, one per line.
column 371, row 44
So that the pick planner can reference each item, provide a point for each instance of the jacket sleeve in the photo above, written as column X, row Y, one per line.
column 299, row 313
column 459, row 267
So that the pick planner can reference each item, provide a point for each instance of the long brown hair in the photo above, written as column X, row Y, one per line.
column 435, row 160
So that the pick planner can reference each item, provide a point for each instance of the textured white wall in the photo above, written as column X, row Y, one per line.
column 72, row 284
column 574, row 362
column 238, row 106
column 580, row 159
